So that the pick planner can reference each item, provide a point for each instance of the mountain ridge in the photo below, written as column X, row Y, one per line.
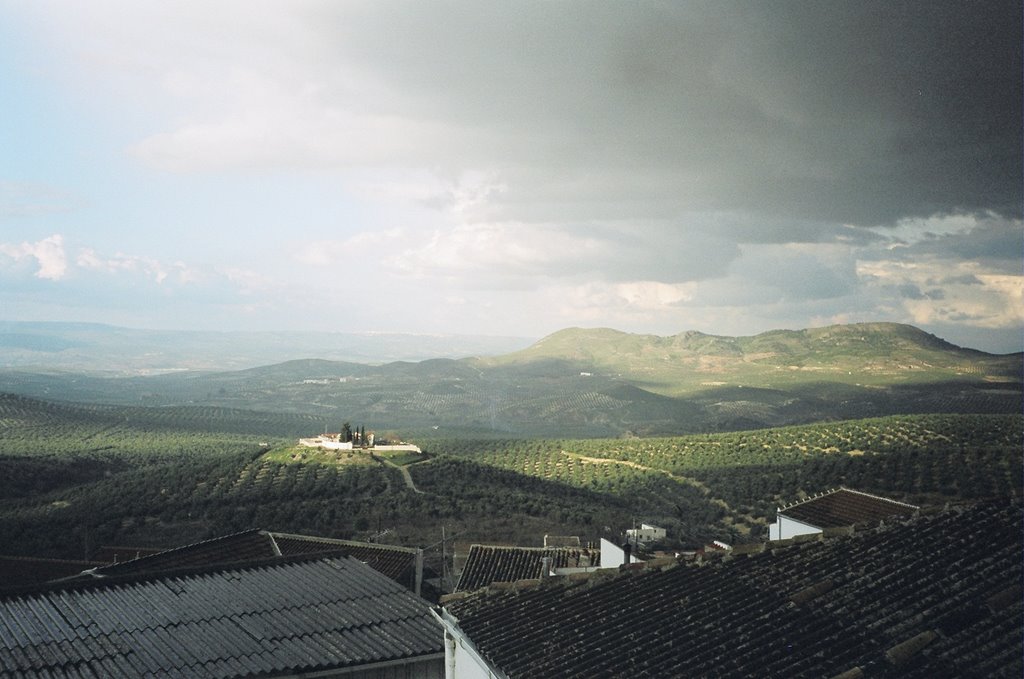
column 598, row 382
column 852, row 353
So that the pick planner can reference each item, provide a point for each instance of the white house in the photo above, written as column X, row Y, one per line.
column 837, row 508
column 613, row 555
column 646, row 533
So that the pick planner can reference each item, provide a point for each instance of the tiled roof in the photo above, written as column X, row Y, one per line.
column 275, row 619
column 486, row 564
column 938, row 595
column 844, row 507
column 398, row 563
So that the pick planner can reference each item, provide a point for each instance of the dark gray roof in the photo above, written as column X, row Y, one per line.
column 487, row 563
column 277, row 618
column 398, row 563
column 845, row 507
column 937, row 595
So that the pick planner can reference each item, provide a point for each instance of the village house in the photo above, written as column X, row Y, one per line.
column 645, row 534
column 919, row 597
column 840, row 508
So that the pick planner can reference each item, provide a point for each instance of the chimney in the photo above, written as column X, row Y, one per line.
column 626, row 549
column 545, row 567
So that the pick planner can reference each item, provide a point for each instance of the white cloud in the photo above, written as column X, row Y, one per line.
column 654, row 168
column 48, row 253
column 934, row 291
column 912, row 230
column 88, row 259
column 653, row 295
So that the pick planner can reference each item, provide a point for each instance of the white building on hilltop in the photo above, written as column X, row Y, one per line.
column 326, row 441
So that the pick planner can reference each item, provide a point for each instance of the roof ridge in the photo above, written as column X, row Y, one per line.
column 337, row 541
column 813, row 497
column 580, row 548
column 103, row 580
column 250, row 531
column 878, row 497
column 833, row 491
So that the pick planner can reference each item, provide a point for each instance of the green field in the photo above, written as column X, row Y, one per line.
column 75, row 478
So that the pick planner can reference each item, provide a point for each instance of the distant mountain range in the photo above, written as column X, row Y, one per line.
column 98, row 347
column 592, row 382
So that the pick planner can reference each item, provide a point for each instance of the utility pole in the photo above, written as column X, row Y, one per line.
column 444, row 563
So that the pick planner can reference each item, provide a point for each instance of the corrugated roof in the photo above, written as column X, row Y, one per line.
column 486, row 563
column 798, row 609
column 845, row 507
column 398, row 563
column 295, row 616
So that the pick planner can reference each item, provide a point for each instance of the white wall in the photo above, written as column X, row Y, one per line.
column 646, row 533
column 612, row 555
column 785, row 528
column 461, row 660
column 328, row 445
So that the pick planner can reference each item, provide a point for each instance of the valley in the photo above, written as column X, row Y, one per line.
column 584, row 433
column 77, row 477
column 593, row 383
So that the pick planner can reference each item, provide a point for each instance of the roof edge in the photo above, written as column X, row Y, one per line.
column 833, row 491
column 99, row 580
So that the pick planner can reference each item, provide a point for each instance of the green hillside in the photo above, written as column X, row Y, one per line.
column 882, row 354
column 597, row 383
column 76, row 477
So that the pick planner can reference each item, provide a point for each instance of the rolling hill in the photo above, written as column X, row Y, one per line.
column 77, row 476
column 599, row 382
column 863, row 353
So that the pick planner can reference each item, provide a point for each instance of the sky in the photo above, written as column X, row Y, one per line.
column 513, row 168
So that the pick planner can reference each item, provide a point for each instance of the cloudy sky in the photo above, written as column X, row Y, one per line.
column 513, row 168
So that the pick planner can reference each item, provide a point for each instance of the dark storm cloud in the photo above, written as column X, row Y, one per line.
column 996, row 241
column 859, row 112
column 514, row 168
